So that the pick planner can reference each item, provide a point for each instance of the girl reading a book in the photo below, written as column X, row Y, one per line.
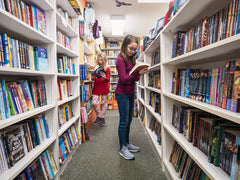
column 101, row 88
column 125, row 93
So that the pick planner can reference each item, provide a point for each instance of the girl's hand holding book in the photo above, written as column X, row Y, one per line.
column 143, row 71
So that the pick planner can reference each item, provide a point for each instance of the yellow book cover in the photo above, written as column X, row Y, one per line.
column 67, row 145
column 77, row 131
column 52, row 159
column 32, row 58
column 64, row 113
column 10, row 51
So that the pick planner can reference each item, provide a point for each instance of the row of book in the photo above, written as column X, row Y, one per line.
column 113, row 87
column 111, row 96
column 85, row 135
column 17, row 140
column 86, row 92
column 65, row 113
column 184, row 164
column 84, row 114
column 67, row 142
column 111, row 61
column 156, row 58
column 66, row 65
column 43, row 167
column 221, row 25
column 64, row 40
column 113, row 70
column 217, row 138
column 83, row 72
column 64, row 88
column 88, row 105
column 155, row 126
column 112, row 53
column 114, row 79
column 141, row 113
column 216, row 86
column 65, row 15
column 155, row 102
column 21, row 96
column 82, row 27
column 28, row 13
column 154, row 79
column 112, row 43
column 17, row 54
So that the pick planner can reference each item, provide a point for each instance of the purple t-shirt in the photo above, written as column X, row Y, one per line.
column 126, row 82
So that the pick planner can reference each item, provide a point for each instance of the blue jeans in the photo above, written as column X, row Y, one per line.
column 125, row 107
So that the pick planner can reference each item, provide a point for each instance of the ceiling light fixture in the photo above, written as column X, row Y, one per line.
column 117, row 25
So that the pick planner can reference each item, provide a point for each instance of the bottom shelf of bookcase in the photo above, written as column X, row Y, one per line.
column 153, row 138
column 197, row 155
column 170, row 170
column 68, row 159
column 27, row 159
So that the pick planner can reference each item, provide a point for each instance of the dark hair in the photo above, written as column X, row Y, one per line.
column 123, row 52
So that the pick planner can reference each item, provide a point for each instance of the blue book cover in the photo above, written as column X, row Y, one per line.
column 187, row 83
column 63, row 148
column 5, row 50
column 2, row 109
column 36, row 131
column 45, row 125
column 33, row 134
column 41, row 59
column 208, row 86
column 183, row 81
column 237, row 29
column 49, row 165
column 71, row 138
column 60, row 65
column 29, row 92
column 68, row 141
column 5, row 97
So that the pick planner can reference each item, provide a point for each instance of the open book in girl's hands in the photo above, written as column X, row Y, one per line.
column 138, row 66
column 98, row 70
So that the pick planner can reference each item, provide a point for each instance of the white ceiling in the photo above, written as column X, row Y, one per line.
column 140, row 17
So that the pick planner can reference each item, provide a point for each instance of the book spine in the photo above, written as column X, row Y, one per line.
column 5, row 49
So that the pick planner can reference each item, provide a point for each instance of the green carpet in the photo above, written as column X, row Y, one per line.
column 99, row 157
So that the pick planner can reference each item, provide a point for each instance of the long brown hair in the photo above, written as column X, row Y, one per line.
column 123, row 52
column 103, row 56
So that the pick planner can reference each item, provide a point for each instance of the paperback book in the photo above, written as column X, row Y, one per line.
column 138, row 66
column 98, row 70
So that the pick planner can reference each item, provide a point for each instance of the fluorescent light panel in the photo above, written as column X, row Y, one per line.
column 117, row 25
column 153, row 1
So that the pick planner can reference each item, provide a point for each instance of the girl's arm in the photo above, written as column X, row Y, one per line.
column 106, row 79
column 123, row 76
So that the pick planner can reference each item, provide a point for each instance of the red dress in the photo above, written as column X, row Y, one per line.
column 101, row 86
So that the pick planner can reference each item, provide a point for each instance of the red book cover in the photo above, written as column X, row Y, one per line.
column 59, row 88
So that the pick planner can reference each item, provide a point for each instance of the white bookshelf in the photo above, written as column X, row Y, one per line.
column 73, row 33
column 213, row 55
column 19, row 30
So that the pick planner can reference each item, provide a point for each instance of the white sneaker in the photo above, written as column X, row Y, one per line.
column 124, row 152
column 133, row 148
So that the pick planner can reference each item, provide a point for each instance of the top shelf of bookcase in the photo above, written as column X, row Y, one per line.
column 44, row 4
column 191, row 13
column 20, row 30
column 64, row 4
column 155, row 44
